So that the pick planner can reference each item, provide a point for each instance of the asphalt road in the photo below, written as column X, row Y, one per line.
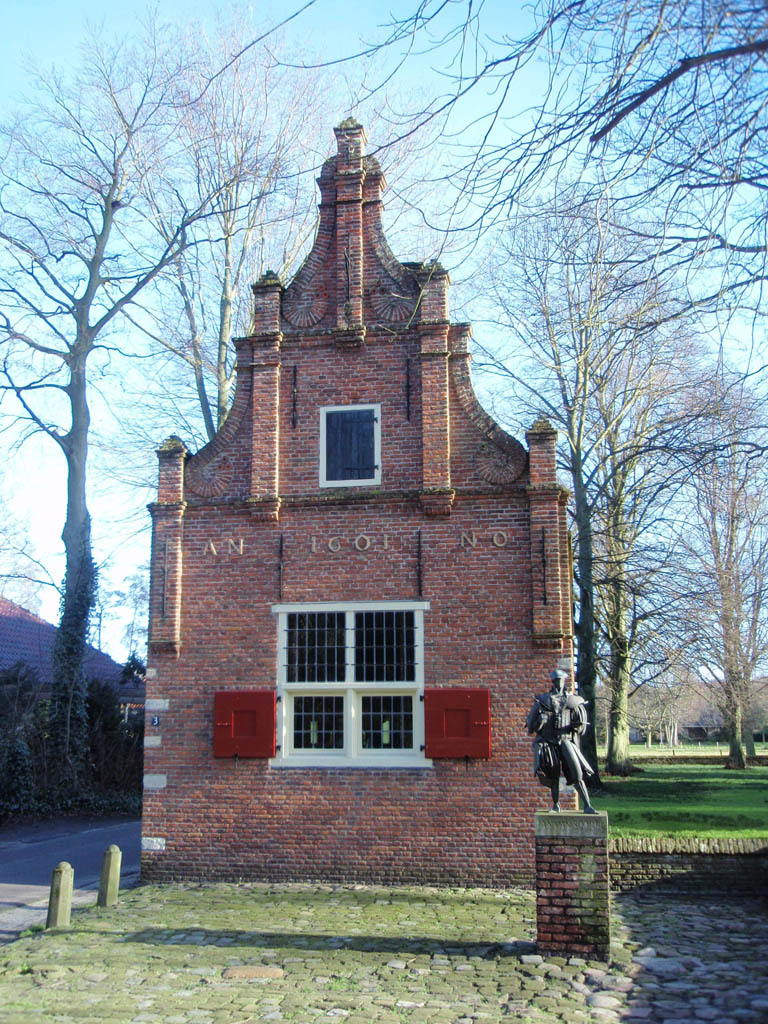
column 29, row 853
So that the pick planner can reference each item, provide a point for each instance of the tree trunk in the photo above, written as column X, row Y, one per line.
column 586, row 672
column 748, row 735
column 69, row 721
column 616, row 600
column 737, row 757
column 617, row 759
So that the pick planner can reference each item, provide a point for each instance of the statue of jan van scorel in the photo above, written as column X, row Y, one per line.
column 558, row 719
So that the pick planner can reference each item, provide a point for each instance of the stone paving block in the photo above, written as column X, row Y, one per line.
column 158, row 957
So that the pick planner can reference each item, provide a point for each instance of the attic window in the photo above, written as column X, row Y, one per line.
column 350, row 445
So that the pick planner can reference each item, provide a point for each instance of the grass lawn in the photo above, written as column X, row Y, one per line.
column 705, row 801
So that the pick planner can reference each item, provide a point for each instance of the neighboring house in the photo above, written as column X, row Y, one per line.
column 357, row 588
column 25, row 637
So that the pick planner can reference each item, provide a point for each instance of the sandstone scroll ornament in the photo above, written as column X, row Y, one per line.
column 558, row 719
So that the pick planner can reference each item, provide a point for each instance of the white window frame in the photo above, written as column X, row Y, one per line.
column 373, row 481
column 353, row 755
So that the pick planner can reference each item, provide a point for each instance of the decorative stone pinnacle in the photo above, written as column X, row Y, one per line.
column 542, row 426
column 171, row 445
column 268, row 280
column 427, row 270
column 349, row 124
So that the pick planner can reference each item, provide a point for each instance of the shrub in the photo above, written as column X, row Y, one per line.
column 17, row 795
column 115, row 745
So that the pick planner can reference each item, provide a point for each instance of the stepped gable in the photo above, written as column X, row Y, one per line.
column 363, row 579
column 350, row 292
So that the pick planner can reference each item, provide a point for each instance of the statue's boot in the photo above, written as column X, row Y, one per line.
column 582, row 790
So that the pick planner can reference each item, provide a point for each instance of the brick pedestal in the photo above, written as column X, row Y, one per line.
column 572, row 884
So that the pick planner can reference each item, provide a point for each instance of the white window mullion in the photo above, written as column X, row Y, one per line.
column 351, row 720
column 352, row 723
column 284, row 710
column 282, row 648
column 349, row 662
column 283, row 715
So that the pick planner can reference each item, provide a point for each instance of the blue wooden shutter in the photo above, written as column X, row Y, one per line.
column 350, row 450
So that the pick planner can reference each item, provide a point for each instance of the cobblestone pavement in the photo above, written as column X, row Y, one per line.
column 236, row 954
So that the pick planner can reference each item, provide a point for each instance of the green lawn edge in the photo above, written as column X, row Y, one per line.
column 691, row 801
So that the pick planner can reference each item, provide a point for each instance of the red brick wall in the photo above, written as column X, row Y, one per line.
column 572, row 884
column 448, row 472
column 327, row 375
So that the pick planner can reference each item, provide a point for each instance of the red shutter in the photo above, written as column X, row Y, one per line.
column 457, row 722
column 244, row 723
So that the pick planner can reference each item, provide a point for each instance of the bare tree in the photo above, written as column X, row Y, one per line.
column 724, row 626
column 250, row 131
column 593, row 348
column 22, row 574
column 86, row 163
column 643, row 460
column 129, row 604
column 256, row 133
column 658, row 707
column 665, row 100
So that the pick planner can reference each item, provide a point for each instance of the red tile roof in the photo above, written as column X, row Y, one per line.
column 28, row 638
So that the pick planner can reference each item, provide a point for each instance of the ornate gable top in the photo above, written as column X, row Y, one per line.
column 350, row 279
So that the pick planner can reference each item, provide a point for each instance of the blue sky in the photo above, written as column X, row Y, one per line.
column 51, row 29
column 49, row 32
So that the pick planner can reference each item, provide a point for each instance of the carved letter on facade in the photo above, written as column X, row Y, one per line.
column 499, row 539
column 235, row 546
column 468, row 539
column 362, row 543
column 210, row 548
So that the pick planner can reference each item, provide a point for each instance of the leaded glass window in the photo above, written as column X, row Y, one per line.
column 316, row 647
column 384, row 647
column 318, row 723
column 387, row 722
column 350, row 679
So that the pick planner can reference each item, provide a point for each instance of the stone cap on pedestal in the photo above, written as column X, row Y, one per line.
column 570, row 825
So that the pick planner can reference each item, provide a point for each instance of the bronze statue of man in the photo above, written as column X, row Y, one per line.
column 558, row 718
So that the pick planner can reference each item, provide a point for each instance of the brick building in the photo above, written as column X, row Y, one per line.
column 357, row 586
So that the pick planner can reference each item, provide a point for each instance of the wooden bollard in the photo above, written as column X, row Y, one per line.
column 109, row 883
column 60, row 899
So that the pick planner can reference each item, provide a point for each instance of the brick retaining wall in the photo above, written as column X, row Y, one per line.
column 714, row 760
column 733, row 865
